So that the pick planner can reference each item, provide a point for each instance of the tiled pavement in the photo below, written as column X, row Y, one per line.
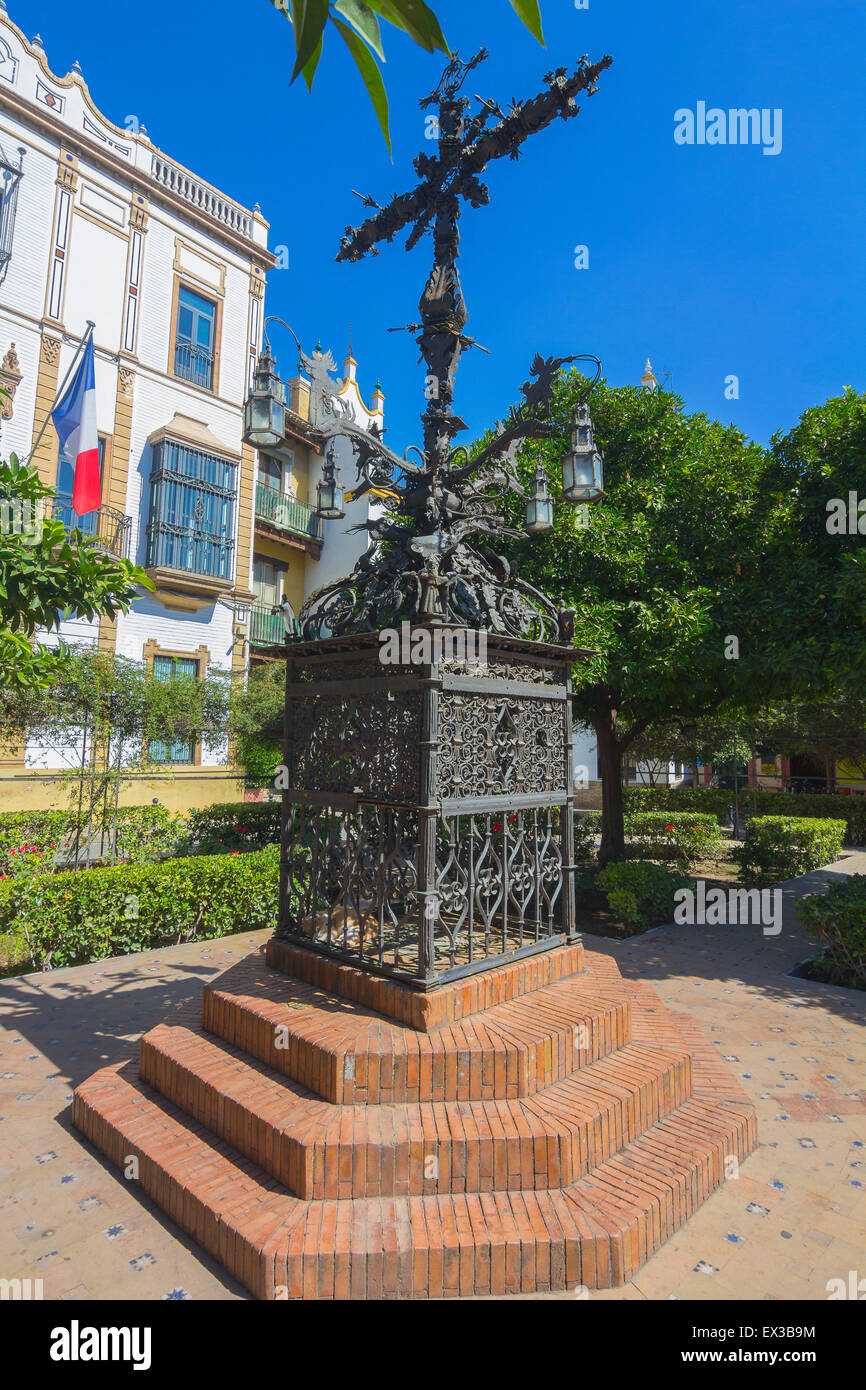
column 792, row 1220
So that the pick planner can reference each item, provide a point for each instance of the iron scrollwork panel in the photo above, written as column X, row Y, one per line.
column 490, row 746
column 365, row 745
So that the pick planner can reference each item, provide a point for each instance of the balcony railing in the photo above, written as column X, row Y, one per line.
column 287, row 514
column 193, row 191
column 195, row 364
column 110, row 529
column 267, row 629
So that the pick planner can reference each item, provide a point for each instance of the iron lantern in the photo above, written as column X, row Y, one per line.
column 330, row 491
column 583, row 465
column 265, row 410
column 539, row 504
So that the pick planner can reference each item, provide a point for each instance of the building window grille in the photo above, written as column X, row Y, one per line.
column 177, row 751
column 10, row 178
column 192, row 500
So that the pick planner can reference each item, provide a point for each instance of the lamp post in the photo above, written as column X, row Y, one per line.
column 583, row 465
column 265, row 410
column 539, row 505
column 330, row 491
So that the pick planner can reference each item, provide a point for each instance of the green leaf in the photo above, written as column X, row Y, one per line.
column 370, row 73
column 416, row 19
column 309, row 18
column 531, row 15
column 362, row 18
column 310, row 70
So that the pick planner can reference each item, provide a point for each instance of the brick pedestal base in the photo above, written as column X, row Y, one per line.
column 327, row 1135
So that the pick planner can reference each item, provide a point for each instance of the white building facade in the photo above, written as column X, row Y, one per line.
column 96, row 224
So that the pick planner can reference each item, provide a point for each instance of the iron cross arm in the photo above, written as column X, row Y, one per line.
column 442, row 182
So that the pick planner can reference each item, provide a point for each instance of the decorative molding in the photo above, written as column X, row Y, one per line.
column 49, row 350
column 188, row 271
column 10, row 378
column 125, row 380
column 67, row 168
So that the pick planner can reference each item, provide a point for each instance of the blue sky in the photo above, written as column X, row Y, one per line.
column 713, row 260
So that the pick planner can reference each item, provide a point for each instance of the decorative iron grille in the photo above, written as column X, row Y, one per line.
column 429, row 827
column 192, row 500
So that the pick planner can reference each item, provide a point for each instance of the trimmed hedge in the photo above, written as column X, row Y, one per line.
column 234, row 826
column 837, row 919
column 850, row 809
column 640, row 893
column 777, row 848
column 72, row 918
column 687, row 836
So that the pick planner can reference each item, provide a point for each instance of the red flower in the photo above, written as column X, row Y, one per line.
column 497, row 825
column 670, row 827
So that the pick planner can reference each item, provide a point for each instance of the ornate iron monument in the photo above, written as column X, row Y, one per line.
column 573, row 1123
column 428, row 817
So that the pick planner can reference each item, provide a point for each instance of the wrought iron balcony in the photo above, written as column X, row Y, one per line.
column 287, row 514
column 109, row 528
column 195, row 364
column 267, row 628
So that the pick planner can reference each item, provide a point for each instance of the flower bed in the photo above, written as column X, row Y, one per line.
column 850, row 809
column 686, row 836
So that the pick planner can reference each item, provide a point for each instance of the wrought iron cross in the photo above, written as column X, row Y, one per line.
column 466, row 147
column 427, row 570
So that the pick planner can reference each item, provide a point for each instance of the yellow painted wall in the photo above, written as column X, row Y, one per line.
column 182, row 792
column 287, row 555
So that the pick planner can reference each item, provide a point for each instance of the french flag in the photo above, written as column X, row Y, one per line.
column 75, row 421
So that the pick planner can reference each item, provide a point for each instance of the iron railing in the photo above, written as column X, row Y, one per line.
column 267, row 628
column 194, row 364
column 287, row 514
column 109, row 528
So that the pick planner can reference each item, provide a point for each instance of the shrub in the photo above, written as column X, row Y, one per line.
column 240, row 826
column 837, row 919
column 777, row 848
column 584, row 838
column 640, row 893
column 687, row 836
column 146, row 833
column 850, row 809
column 71, row 918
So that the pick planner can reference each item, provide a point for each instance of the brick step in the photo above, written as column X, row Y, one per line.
column 594, row 1233
column 352, row 1056
column 318, row 1150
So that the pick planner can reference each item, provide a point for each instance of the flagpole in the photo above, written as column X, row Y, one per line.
column 78, row 351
